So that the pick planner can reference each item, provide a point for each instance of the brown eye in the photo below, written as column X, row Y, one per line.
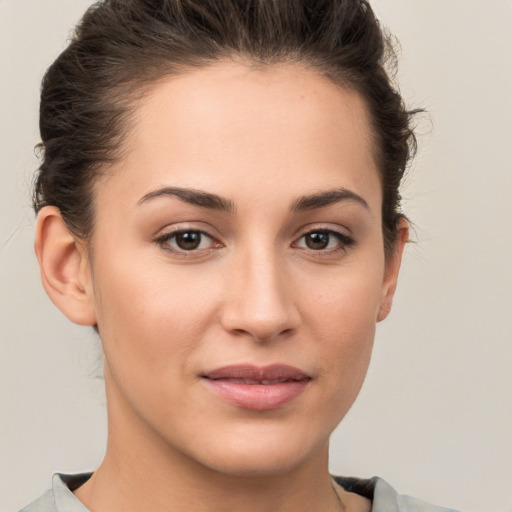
column 326, row 240
column 188, row 240
column 317, row 241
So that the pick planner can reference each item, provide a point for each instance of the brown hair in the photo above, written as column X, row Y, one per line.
column 122, row 46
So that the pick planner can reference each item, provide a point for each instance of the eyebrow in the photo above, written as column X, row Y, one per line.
column 215, row 202
column 327, row 198
column 194, row 197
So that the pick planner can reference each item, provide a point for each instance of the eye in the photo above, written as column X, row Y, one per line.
column 324, row 240
column 186, row 240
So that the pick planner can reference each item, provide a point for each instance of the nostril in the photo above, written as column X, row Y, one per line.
column 263, row 337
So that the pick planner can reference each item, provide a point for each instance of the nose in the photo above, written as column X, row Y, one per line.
column 260, row 301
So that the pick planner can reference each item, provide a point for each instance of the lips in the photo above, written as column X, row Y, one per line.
column 257, row 388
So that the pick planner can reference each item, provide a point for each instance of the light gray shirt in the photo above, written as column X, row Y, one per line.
column 384, row 498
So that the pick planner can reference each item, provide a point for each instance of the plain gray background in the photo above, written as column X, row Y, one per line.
column 435, row 415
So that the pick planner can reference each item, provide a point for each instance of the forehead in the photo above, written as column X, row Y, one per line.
column 216, row 125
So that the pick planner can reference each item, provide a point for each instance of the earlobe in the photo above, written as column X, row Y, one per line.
column 393, row 263
column 64, row 266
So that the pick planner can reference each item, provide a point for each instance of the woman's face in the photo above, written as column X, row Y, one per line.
column 237, row 268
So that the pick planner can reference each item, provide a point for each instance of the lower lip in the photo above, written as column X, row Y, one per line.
column 257, row 397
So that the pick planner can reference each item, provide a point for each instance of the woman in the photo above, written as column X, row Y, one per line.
column 218, row 198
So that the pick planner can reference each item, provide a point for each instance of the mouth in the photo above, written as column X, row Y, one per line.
column 257, row 388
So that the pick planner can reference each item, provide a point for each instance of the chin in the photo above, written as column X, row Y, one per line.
column 262, row 454
column 250, row 465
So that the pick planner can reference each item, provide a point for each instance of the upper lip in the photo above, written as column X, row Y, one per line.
column 274, row 372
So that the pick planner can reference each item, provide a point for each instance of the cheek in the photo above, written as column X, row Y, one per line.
column 151, row 319
column 150, row 324
column 344, row 304
column 342, row 318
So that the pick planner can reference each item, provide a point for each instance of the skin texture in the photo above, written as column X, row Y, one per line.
column 253, row 292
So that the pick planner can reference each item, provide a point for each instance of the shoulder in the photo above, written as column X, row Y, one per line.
column 385, row 498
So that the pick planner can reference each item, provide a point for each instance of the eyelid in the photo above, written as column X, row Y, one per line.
column 320, row 227
column 345, row 240
column 170, row 232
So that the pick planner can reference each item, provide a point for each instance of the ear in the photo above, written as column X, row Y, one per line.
column 393, row 262
column 65, row 267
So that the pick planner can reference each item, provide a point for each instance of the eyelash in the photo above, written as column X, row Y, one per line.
column 164, row 241
column 344, row 241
